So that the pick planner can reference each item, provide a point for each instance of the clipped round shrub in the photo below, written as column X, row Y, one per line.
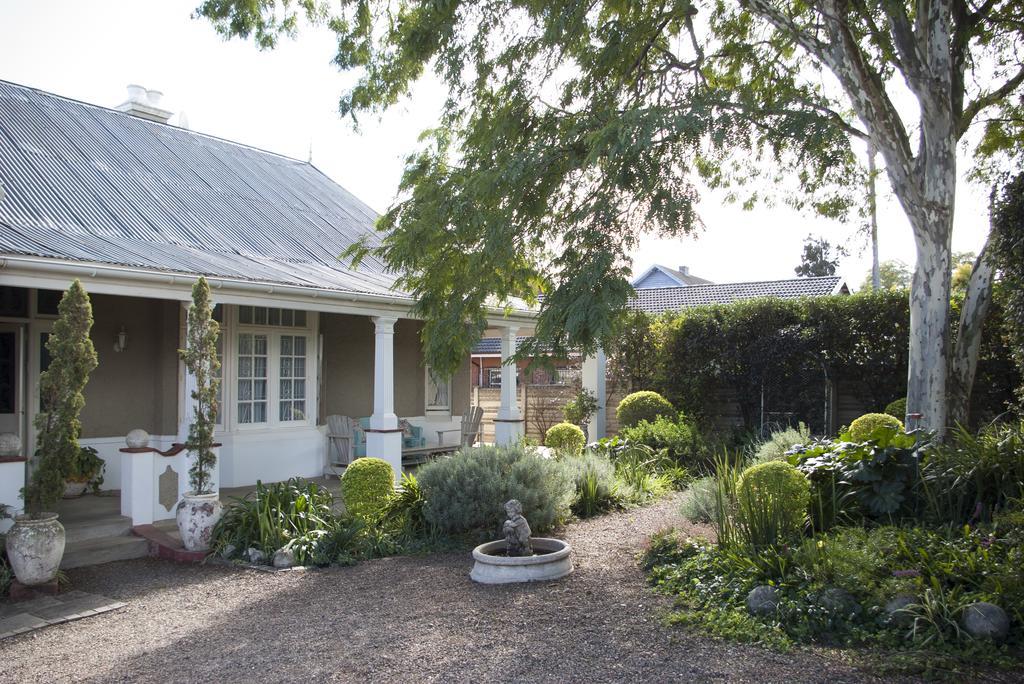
column 861, row 429
column 897, row 409
column 773, row 498
column 366, row 486
column 645, row 405
column 566, row 438
column 467, row 492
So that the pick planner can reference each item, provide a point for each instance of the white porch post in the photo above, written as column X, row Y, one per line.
column 508, row 426
column 384, row 439
column 594, row 380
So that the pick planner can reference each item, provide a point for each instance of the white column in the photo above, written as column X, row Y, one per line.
column 508, row 425
column 594, row 380
column 384, row 439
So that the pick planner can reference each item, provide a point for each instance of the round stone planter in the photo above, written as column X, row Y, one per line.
column 35, row 547
column 73, row 490
column 196, row 516
column 552, row 559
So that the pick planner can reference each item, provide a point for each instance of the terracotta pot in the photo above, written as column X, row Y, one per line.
column 196, row 516
column 73, row 489
column 35, row 547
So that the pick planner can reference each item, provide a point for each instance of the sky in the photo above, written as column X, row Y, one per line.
column 285, row 101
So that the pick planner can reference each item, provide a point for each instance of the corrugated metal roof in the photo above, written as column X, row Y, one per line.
column 85, row 183
column 660, row 299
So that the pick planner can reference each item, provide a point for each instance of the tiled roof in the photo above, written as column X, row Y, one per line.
column 492, row 345
column 660, row 299
column 85, row 183
column 687, row 278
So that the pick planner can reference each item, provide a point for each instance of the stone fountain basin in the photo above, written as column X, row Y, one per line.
column 552, row 559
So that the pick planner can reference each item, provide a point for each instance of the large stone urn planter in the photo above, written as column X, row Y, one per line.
column 196, row 516
column 35, row 547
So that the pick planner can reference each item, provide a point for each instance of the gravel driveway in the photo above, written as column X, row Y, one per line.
column 397, row 619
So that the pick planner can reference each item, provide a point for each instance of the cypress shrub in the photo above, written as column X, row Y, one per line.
column 366, row 486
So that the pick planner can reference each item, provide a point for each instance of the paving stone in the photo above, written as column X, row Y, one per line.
column 16, row 624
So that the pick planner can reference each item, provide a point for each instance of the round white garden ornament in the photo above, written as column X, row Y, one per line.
column 137, row 439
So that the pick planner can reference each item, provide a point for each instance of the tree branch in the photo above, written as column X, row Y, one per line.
column 986, row 100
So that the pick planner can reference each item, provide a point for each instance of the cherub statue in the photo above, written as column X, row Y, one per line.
column 517, row 530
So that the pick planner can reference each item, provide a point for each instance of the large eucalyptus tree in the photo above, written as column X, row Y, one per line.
column 572, row 128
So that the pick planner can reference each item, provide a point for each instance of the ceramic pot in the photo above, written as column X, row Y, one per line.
column 35, row 547
column 196, row 516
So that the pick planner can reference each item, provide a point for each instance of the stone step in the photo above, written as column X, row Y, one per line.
column 98, row 527
column 104, row 550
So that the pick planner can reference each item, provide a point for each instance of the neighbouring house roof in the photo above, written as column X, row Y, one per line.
column 660, row 299
column 88, row 184
column 663, row 276
column 491, row 346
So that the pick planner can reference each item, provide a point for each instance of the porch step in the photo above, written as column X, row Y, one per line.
column 97, row 527
column 103, row 550
column 164, row 541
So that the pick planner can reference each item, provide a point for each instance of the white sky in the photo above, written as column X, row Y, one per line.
column 286, row 99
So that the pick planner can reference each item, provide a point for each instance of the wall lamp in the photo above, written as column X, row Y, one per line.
column 121, row 341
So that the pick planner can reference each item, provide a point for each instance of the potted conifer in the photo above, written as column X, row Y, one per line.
column 200, row 508
column 35, row 544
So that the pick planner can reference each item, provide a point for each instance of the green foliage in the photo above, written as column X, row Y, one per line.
column 819, row 258
column 293, row 515
column 366, row 486
column 700, row 500
column 595, row 482
column 771, row 504
column 632, row 355
column 970, row 478
column 88, row 467
column 643, row 405
column 897, row 409
column 894, row 275
column 403, row 512
column 467, row 492
column 580, row 408
column 1007, row 242
column 200, row 359
column 680, row 439
column 877, row 478
column 870, row 425
column 942, row 570
column 61, row 399
column 565, row 439
column 775, row 447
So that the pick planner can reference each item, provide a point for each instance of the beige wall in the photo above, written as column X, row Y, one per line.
column 136, row 388
column 347, row 387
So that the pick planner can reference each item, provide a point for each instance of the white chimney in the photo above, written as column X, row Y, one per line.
column 685, row 270
column 145, row 104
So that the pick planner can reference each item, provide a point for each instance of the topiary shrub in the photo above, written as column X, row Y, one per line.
column 366, row 486
column 897, row 409
column 565, row 438
column 467, row 492
column 772, row 503
column 645, row 405
column 862, row 428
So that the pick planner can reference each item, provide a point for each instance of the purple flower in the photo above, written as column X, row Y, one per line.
column 906, row 573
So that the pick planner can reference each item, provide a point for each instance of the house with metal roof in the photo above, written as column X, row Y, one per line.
column 657, row 300
column 137, row 210
column 663, row 276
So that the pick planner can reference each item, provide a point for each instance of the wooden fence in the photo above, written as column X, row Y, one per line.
column 540, row 406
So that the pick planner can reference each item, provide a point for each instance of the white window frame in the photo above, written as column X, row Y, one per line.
column 491, row 373
column 229, row 370
column 432, row 409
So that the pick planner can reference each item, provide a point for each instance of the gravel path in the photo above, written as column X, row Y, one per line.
column 397, row 619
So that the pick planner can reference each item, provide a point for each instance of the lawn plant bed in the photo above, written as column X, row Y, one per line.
column 911, row 591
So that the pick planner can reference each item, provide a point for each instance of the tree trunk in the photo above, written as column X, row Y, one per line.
column 876, row 275
column 968, row 338
column 929, row 333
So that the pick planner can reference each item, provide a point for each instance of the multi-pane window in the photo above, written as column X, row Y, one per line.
column 292, row 378
column 264, row 315
column 253, row 353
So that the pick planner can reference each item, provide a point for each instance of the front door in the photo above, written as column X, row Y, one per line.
column 12, row 379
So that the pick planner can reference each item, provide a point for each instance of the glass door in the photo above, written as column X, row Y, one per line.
column 12, row 379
